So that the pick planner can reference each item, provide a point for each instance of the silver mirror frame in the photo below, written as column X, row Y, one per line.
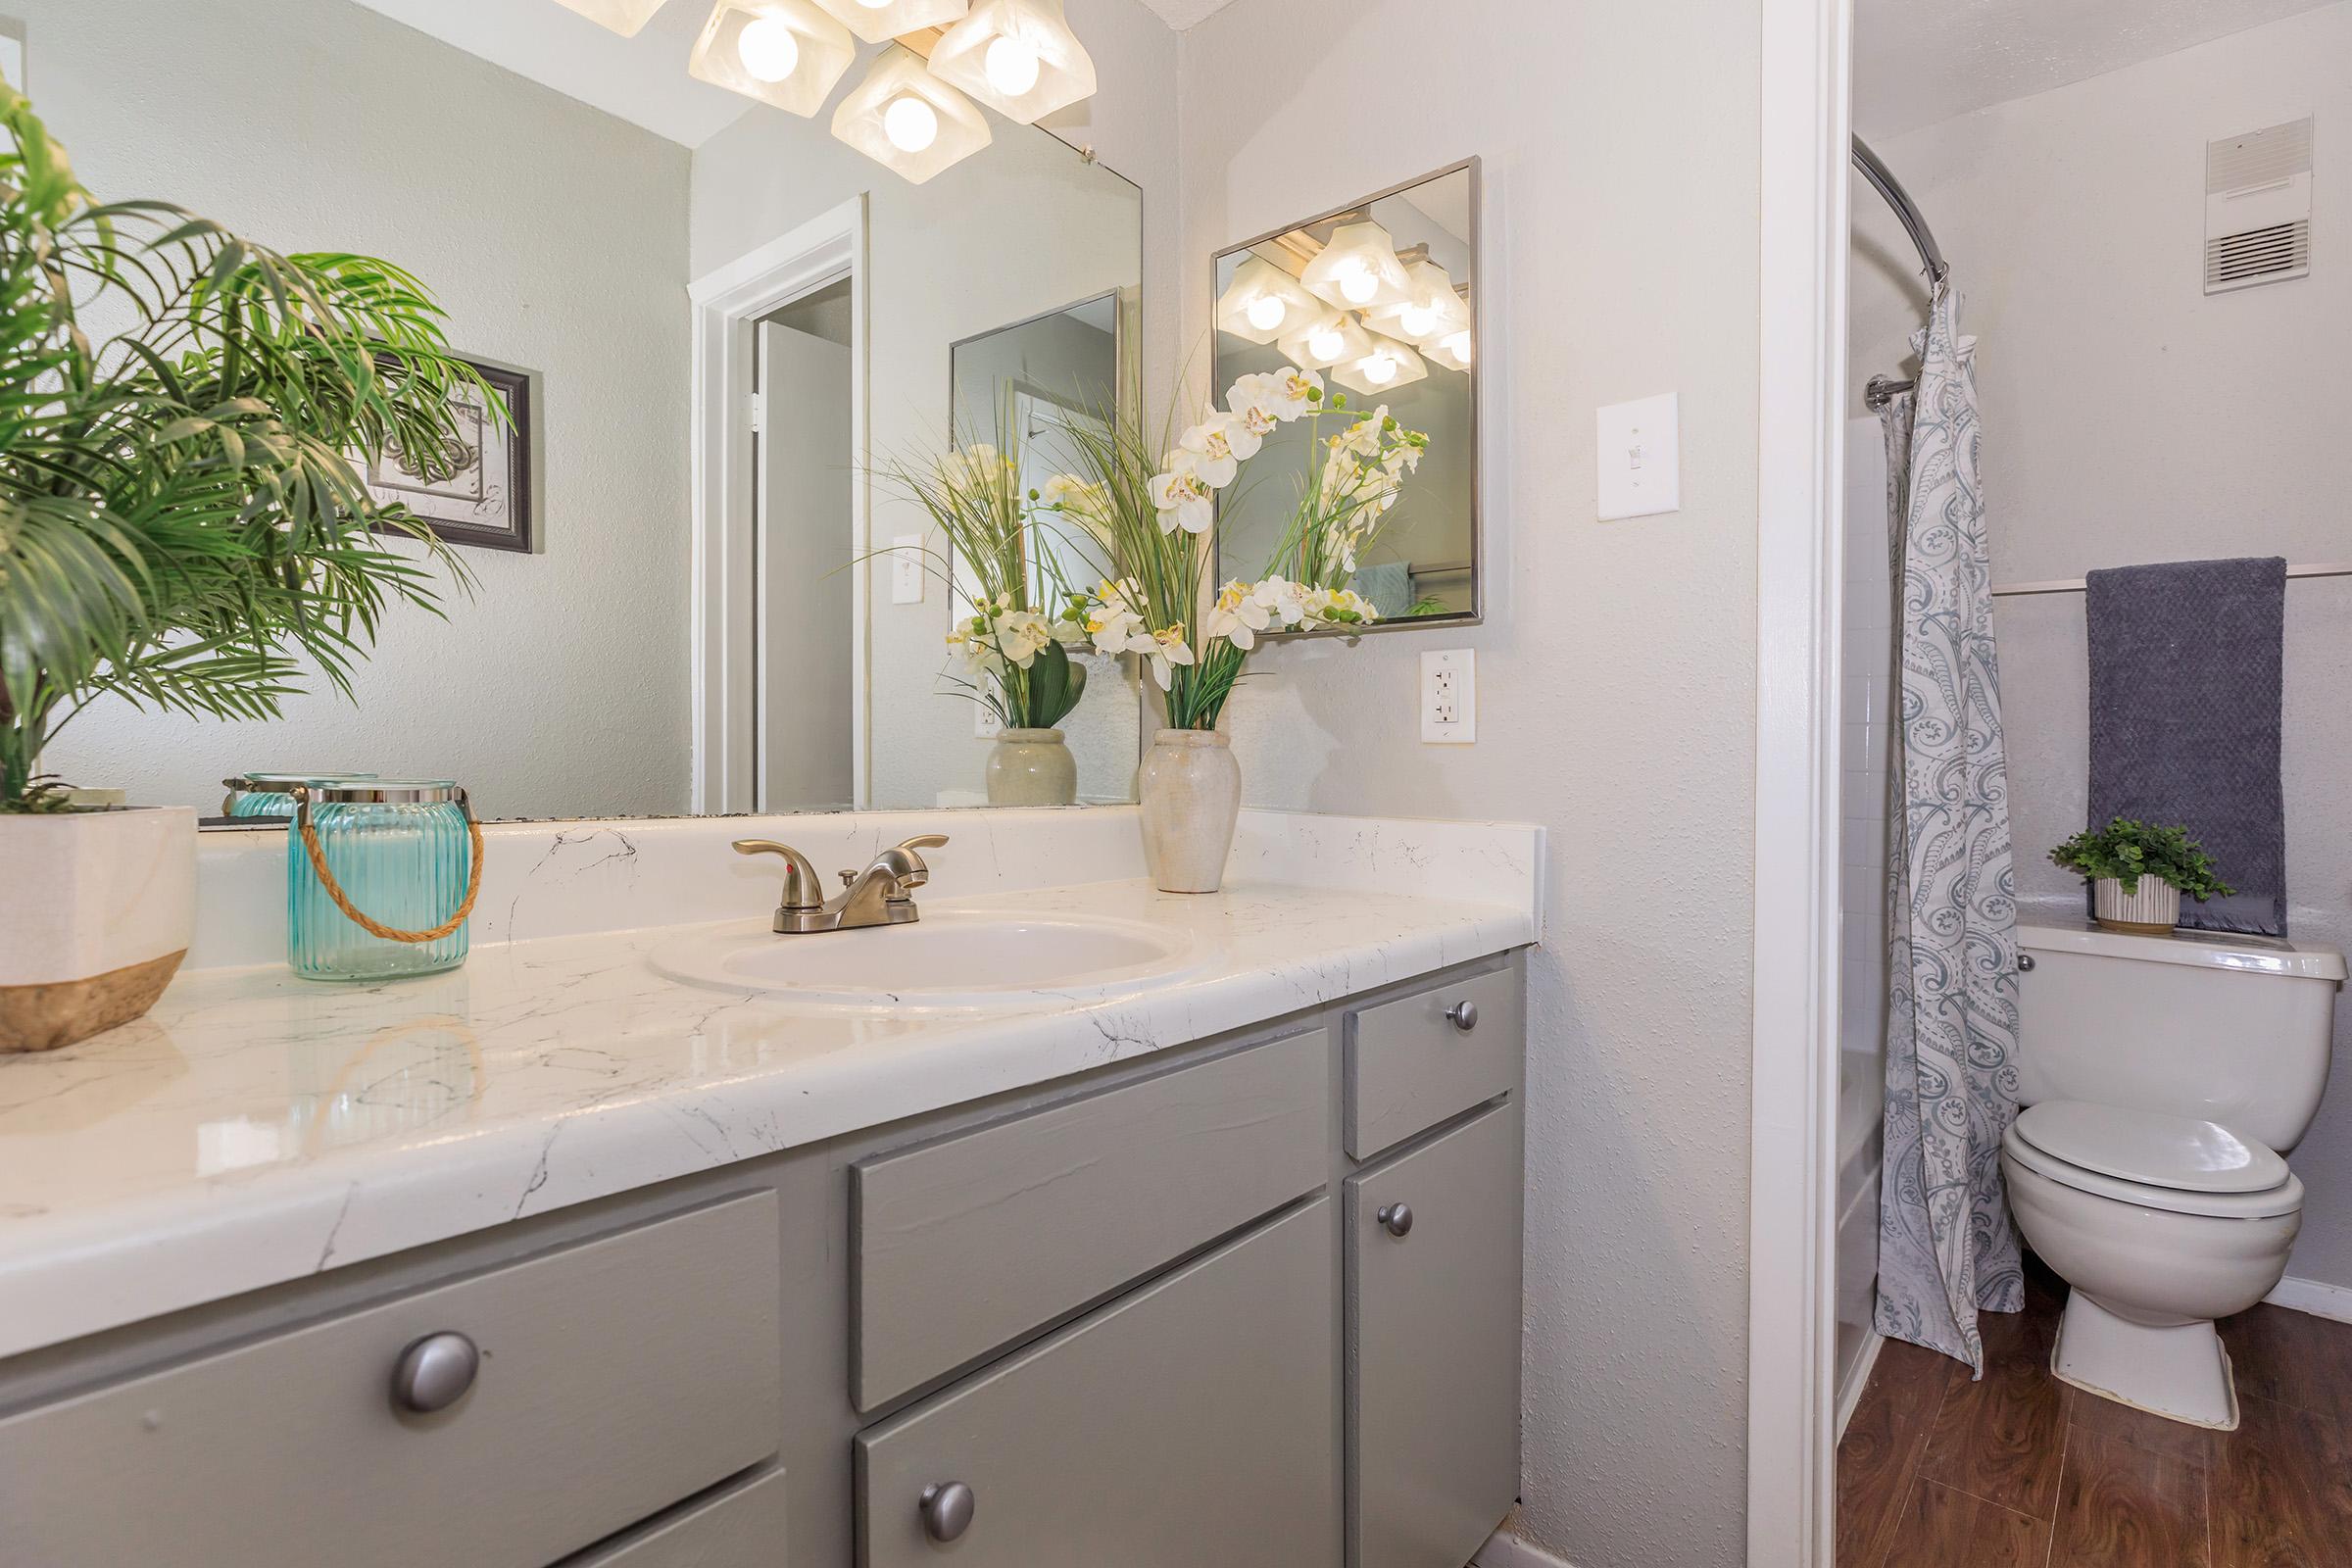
column 1476, row 616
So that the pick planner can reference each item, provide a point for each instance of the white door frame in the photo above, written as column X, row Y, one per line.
column 1793, row 1172
column 724, row 590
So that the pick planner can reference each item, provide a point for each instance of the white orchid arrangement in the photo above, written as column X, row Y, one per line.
column 1154, row 518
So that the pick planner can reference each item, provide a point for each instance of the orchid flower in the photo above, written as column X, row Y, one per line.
column 1237, row 616
column 1184, row 498
column 1168, row 650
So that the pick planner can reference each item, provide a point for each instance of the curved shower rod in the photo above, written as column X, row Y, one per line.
column 1883, row 388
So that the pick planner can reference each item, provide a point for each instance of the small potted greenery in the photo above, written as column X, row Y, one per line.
column 184, row 525
column 2138, row 873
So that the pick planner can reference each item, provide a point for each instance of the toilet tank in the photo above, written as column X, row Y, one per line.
column 2226, row 1028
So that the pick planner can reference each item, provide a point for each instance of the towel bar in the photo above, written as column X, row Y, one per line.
column 2073, row 585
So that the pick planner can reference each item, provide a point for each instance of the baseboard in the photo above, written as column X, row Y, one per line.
column 1857, row 1378
column 1505, row 1550
column 2313, row 1297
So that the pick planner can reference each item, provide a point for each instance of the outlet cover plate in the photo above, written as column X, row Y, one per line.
column 1449, row 696
column 1641, row 449
column 907, row 569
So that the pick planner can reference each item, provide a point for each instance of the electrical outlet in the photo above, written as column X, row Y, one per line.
column 985, row 723
column 907, row 569
column 1449, row 696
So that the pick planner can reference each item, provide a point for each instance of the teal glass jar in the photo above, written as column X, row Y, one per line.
column 266, row 794
column 380, row 879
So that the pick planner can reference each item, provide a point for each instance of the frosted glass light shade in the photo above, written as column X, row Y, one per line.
column 1331, row 338
column 1363, row 372
column 1431, row 310
column 1261, row 292
column 1454, row 350
column 882, row 23
column 1359, row 271
column 863, row 120
column 1030, row 30
column 624, row 17
column 824, row 52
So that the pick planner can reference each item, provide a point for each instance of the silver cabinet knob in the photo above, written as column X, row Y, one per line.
column 435, row 1372
column 947, row 1510
column 1396, row 1219
column 1463, row 1016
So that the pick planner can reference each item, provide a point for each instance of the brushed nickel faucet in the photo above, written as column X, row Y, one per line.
column 875, row 896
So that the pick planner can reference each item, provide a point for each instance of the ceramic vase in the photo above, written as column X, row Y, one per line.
column 1191, row 797
column 2151, row 912
column 1032, row 767
column 115, row 907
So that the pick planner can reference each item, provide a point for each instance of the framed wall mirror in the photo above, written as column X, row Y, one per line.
column 1380, row 298
column 571, row 205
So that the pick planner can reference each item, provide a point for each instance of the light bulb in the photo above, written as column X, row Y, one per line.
column 911, row 124
column 1266, row 313
column 1416, row 320
column 1380, row 369
column 1358, row 283
column 1326, row 343
column 767, row 48
column 1457, row 344
column 1011, row 66
column 875, row 5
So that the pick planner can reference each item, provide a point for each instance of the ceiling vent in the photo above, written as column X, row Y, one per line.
column 2258, row 208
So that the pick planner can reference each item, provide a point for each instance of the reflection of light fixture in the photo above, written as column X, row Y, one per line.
column 1431, row 308
column 904, row 116
column 1018, row 57
column 880, row 20
column 1452, row 351
column 1263, row 302
column 1323, row 342
column 1381, row 369
column 781, row 52
column 1358, row 269
column 624, row 17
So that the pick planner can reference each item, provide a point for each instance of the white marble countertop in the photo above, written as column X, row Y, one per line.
column 256, row 1128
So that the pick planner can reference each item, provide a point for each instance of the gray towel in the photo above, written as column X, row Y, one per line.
column 2184, row 703
column 1389, row 586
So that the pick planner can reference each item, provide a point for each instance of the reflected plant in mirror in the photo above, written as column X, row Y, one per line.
column 184, row 524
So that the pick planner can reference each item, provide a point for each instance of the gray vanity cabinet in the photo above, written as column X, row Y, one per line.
column 1187, row 1423
column 1433, row 1294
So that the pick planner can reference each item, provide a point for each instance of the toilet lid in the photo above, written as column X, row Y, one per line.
column 2144, row 1146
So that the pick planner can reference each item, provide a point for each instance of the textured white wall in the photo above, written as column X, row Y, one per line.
column 2130, row 418
column 1616, row 670
column 556, row 236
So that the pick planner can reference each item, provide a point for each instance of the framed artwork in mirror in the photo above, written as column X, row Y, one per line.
column 487, row 501
column 1382, row 300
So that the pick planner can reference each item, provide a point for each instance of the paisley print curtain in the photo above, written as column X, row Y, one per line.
column 1947, row 1246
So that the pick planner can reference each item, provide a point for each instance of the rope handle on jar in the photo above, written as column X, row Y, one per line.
column 376, row 928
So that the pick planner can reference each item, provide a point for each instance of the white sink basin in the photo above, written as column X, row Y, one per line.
column 961, row 958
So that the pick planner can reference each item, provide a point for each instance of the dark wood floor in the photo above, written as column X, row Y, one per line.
column 2022, row 1471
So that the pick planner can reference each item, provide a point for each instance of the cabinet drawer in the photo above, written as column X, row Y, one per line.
column 1187, row 1424
column 1411, row 1064
column 741, row 1526
column 1433, row 1456
column 617, row 1377
column 960, row 1247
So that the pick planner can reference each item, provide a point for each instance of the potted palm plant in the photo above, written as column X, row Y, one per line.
column 184, row 525
column 2138, row 873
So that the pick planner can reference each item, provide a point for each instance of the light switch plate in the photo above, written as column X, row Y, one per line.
column 1640, row 448
column 1449, row 696
column 907, row 569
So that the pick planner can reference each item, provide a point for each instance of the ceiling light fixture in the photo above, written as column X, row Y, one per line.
column 1431, row 309
column 1357, row 269
column 1263, row 302
column 782, row 51
column 880, row 20
column 624, row 17
column 1328, row 339
column 1382, row 369
column 1018, row 57
column 908, row 120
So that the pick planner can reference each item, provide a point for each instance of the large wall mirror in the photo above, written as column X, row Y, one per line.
column 1380, row 298
column 574, row 198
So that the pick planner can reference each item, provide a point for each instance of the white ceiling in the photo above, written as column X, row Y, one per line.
column 1916, row 62
column 1182, row 13
column 641, row 79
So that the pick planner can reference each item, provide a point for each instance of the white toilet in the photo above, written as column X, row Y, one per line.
column 2163, row 1079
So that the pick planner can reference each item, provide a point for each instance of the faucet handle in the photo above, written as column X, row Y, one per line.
column 926, row 841
column 802, row 890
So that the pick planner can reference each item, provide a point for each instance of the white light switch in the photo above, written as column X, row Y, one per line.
column 1641, row 458
column 907, row 569
column 1449, row 696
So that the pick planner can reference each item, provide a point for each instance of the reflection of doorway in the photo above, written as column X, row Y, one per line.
column 804, row 700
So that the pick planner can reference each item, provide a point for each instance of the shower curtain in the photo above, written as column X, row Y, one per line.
column 1946, row 1243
